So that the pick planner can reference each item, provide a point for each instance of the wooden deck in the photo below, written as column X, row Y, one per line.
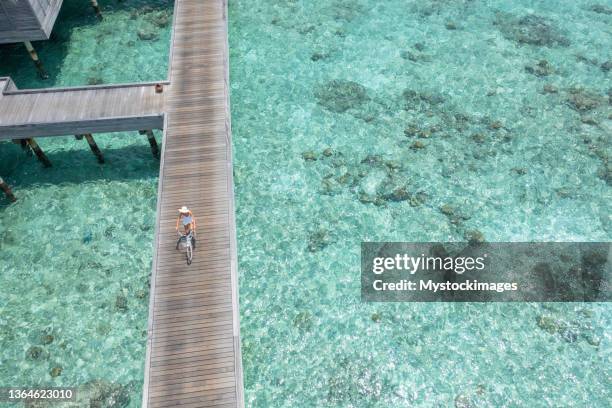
column 78, row 110
column 193, row 355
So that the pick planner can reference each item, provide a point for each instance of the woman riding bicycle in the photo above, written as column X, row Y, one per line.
column 188, row 221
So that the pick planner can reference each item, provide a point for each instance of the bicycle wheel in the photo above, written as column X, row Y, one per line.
column 189, row 254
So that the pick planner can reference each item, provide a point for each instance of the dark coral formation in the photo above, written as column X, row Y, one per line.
column 605, row 172
column 550, row 89
column 455, row 213
column 160, row 18
column 463, row 401
column 353, row 383
column 380, row 181
column 432, row 115
column 56, row 371
column 373, row 180
column 42, row 337
column 317, row 56
column 121, row 303
column 593, row 271
column 340, row 95
column 36, row 353
column 153, row 20
column 420, row 99
column 417, row 145
column 450, row 25
column 583, row 100
column 531, row 29
column 319, row 240
column 601, row 9
column 541, row 69
column 147, row 33
column 415, row 55
column 570, row 327
column 309, row 155
column 474, row 237
column 438, row 7
column 345, row 10
column 304, row 321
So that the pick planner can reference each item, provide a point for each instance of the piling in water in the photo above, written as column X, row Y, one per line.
column 7, row 190
column 39, row 153
column 94, row 147
column 96, row 7
column 152, row 141
column 24, row 145
column 39, row 66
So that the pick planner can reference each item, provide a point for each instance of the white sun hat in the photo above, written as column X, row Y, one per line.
column 183, row 209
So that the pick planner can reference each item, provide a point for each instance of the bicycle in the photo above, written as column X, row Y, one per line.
column 185, row 242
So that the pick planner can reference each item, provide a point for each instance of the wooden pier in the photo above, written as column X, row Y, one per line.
column 193, row 358
column 193, row 354
column 79, row 110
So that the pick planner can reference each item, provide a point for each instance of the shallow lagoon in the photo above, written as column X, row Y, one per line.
column 76, row 249
column 351, row 121
column 416, row 121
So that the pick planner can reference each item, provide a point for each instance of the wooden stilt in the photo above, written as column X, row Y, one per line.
column 39, row 66
column 152, row 141
column 24, row 145
column 96, row 7
column 94, row 147
column 39, row 153
column 78, row 137
column 7, row 190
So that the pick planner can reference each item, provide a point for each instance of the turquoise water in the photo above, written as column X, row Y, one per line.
column 352, row 121
column 76, row 249
column 130, row 44
column 416, row 121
